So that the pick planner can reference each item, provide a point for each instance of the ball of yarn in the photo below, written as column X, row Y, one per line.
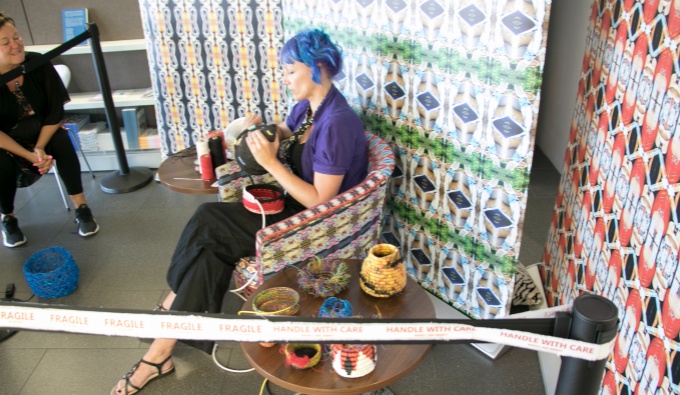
column 234, row 128
column 51, row 273
column 335, row 308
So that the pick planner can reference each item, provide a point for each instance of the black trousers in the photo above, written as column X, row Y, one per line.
column 61, row 149
column 216, row 237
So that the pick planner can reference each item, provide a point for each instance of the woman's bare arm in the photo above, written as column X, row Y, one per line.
column 325, row 186
column 9, row 144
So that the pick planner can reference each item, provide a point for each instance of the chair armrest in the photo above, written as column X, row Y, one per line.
column 232, row 180
column 323, row 230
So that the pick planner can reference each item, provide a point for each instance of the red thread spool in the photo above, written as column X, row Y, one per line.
column 206, row 167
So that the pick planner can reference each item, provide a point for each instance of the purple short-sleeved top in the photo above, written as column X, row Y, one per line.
column 337, row 145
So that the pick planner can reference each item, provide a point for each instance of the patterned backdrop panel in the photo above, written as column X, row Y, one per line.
column 454, row 87
column 616, row 225
column 212, row 62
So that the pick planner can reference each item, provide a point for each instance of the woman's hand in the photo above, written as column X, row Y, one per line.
column 40, row 152
column 41, row 160
column 264, row 151
column 250, row 120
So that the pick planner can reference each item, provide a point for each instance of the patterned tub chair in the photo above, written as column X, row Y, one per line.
column 347, row 226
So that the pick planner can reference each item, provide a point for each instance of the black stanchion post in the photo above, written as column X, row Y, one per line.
column 126, row 179
column 594, row 320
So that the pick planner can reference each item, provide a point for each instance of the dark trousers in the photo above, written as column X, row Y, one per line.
column 61, row 149
column 216, row 237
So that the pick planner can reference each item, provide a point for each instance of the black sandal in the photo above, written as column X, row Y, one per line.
column 149, row 379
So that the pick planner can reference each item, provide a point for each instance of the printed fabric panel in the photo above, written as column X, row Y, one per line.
column 616, row 226
column 212, row 62
column 454, row 87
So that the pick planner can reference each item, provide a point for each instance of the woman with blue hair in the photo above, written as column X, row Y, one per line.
column 326, row 150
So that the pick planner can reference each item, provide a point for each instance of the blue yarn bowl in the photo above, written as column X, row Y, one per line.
column 335, row 308
column 51, row 273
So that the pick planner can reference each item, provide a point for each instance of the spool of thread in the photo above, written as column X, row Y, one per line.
column 221, row 134
column 202, row 149
column 217, row 153
column 207, row 172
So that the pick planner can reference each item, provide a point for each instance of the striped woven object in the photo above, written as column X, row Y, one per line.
column 345, row 227
column 526, row 292
column 263, row 199
column 383, row 273
column 353, row 360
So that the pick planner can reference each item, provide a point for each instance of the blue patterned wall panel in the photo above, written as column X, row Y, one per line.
column 454, row 87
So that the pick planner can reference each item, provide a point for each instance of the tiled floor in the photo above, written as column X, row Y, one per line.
column 124, row 267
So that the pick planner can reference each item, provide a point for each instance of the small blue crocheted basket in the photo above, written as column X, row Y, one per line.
column 335, row 308
column 51, row 273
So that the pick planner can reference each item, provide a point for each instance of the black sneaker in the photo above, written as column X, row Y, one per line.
column 12, row 236
column 87, row 226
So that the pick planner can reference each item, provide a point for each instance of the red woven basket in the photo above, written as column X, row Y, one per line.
column 269, row 197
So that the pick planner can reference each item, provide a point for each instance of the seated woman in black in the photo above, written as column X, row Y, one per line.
column 31, row 111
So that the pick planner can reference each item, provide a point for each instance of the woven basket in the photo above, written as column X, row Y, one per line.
column 335, row 308
column 353, row 360
column 51, row 273
column 323, row 278
column 301, row 355
column 277, row 301
column 383, row 273
column 271, row 199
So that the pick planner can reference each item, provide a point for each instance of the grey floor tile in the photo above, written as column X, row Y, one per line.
column 65, row 341
column 17, row 367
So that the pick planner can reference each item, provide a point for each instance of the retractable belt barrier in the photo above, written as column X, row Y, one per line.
column 225, row 327
column 44, row 58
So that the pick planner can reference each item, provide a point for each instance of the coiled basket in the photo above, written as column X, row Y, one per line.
column 383, row 273
column 51, row 273
column 302, row 356
column 353, row 360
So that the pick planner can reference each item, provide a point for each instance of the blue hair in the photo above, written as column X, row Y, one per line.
column 313, row 47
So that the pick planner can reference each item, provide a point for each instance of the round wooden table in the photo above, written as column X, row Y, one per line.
column 394, row 361
column 178, row 172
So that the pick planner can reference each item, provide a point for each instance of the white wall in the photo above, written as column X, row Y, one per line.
column 567, row 33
